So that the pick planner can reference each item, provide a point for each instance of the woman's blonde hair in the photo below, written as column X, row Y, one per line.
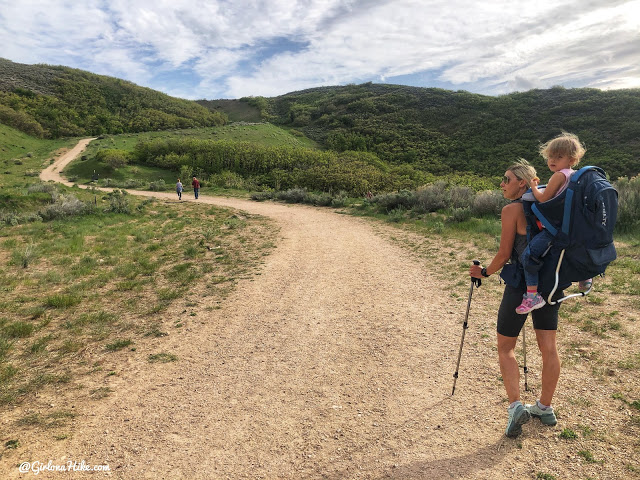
column 523, row 170
column 566, row 144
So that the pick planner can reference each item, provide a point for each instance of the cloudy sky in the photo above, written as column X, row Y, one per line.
column 233, row 48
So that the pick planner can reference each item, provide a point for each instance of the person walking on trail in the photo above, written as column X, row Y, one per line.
column 196, row 187
column 513, row 241
column 179, row 189
column 562, row 153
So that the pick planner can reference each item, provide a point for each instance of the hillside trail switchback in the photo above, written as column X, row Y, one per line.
column 335, row 362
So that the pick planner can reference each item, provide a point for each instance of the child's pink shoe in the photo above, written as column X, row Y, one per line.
column 530, row 301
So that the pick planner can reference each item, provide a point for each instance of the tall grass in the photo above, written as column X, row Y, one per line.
column 628, row 204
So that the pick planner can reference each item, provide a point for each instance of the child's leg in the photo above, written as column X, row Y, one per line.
column 532, row 300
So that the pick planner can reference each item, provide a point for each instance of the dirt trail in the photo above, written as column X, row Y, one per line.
column 335, row 362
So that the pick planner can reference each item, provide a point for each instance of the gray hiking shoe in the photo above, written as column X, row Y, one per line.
column 547, row 417
column 518, row 416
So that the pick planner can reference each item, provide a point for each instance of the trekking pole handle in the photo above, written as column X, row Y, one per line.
column 476, row 281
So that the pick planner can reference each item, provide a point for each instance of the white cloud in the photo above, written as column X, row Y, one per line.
column 231, row 46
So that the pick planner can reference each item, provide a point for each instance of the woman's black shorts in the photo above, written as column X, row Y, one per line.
column 510, row 323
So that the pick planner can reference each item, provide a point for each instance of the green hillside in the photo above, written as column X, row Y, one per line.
column 441, row 131
column 237, row 110
column 53, row 101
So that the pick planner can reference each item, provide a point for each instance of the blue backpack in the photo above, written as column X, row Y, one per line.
column 581, row 220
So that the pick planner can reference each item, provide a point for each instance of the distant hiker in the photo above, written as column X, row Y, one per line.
column 513, row 241
column 561, row 153
column 369, row 195
column 179, row 189
column 196, row 187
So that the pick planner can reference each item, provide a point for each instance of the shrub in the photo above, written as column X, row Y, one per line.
column 227, row 179
column 262, row 196
column 13, row 218
column 319, row 199
column 339, row 200
column 41, row 188
column 459, row 215
column 108, row 182
column 461, row 197
column 158, row 186
column 118, row 202
column 391, row 201
column 488, row 203
column 628, row 204
column 113, row 157
column 432, row 198
column 293, row 195
column 63, row 206
column 25, row 257
column 132, row 183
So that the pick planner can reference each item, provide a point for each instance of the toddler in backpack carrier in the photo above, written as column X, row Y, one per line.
column 577, row 211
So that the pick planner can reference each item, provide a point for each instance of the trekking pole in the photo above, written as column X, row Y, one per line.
column 477, row 282
column 524, row 352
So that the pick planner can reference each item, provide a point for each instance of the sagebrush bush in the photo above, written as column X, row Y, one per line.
column 108, row 182
column 13, row 218
column 118, row 202
column 459, row 215
column 461, row 197
column 41, row 188
column 262, row 196
column 628, row 204
column 132, row 183
column 158, row 186
column 432, row 198
column 339, row 200
column 488, row 203
column 319, row 199
column 391, row 201
column 63, row 206
column 293, row 195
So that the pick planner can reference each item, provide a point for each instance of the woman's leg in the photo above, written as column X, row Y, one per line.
column 550, row 364
column 509, row 366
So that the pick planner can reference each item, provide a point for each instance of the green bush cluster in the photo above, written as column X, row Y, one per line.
column 462, row 201
column 119, row 202
column 628, row 204
column 242, row 164
column 302, row 195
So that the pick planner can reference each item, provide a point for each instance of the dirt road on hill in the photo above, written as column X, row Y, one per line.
column 335, row 362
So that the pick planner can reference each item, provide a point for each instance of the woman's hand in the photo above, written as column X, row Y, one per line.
column 475, row 271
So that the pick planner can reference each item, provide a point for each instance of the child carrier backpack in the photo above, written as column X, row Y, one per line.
column 581, row 220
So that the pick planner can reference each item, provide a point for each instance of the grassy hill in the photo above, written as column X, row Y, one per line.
column 237, row 110
column 441, row 131
column 54, row 101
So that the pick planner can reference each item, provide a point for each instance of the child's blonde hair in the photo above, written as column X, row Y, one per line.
column 564, row 144
column 523, row 170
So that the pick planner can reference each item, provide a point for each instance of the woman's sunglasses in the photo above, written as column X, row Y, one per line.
column 506, row 179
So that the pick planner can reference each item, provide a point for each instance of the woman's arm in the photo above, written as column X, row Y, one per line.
column 510, row 215
column 555, row 183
